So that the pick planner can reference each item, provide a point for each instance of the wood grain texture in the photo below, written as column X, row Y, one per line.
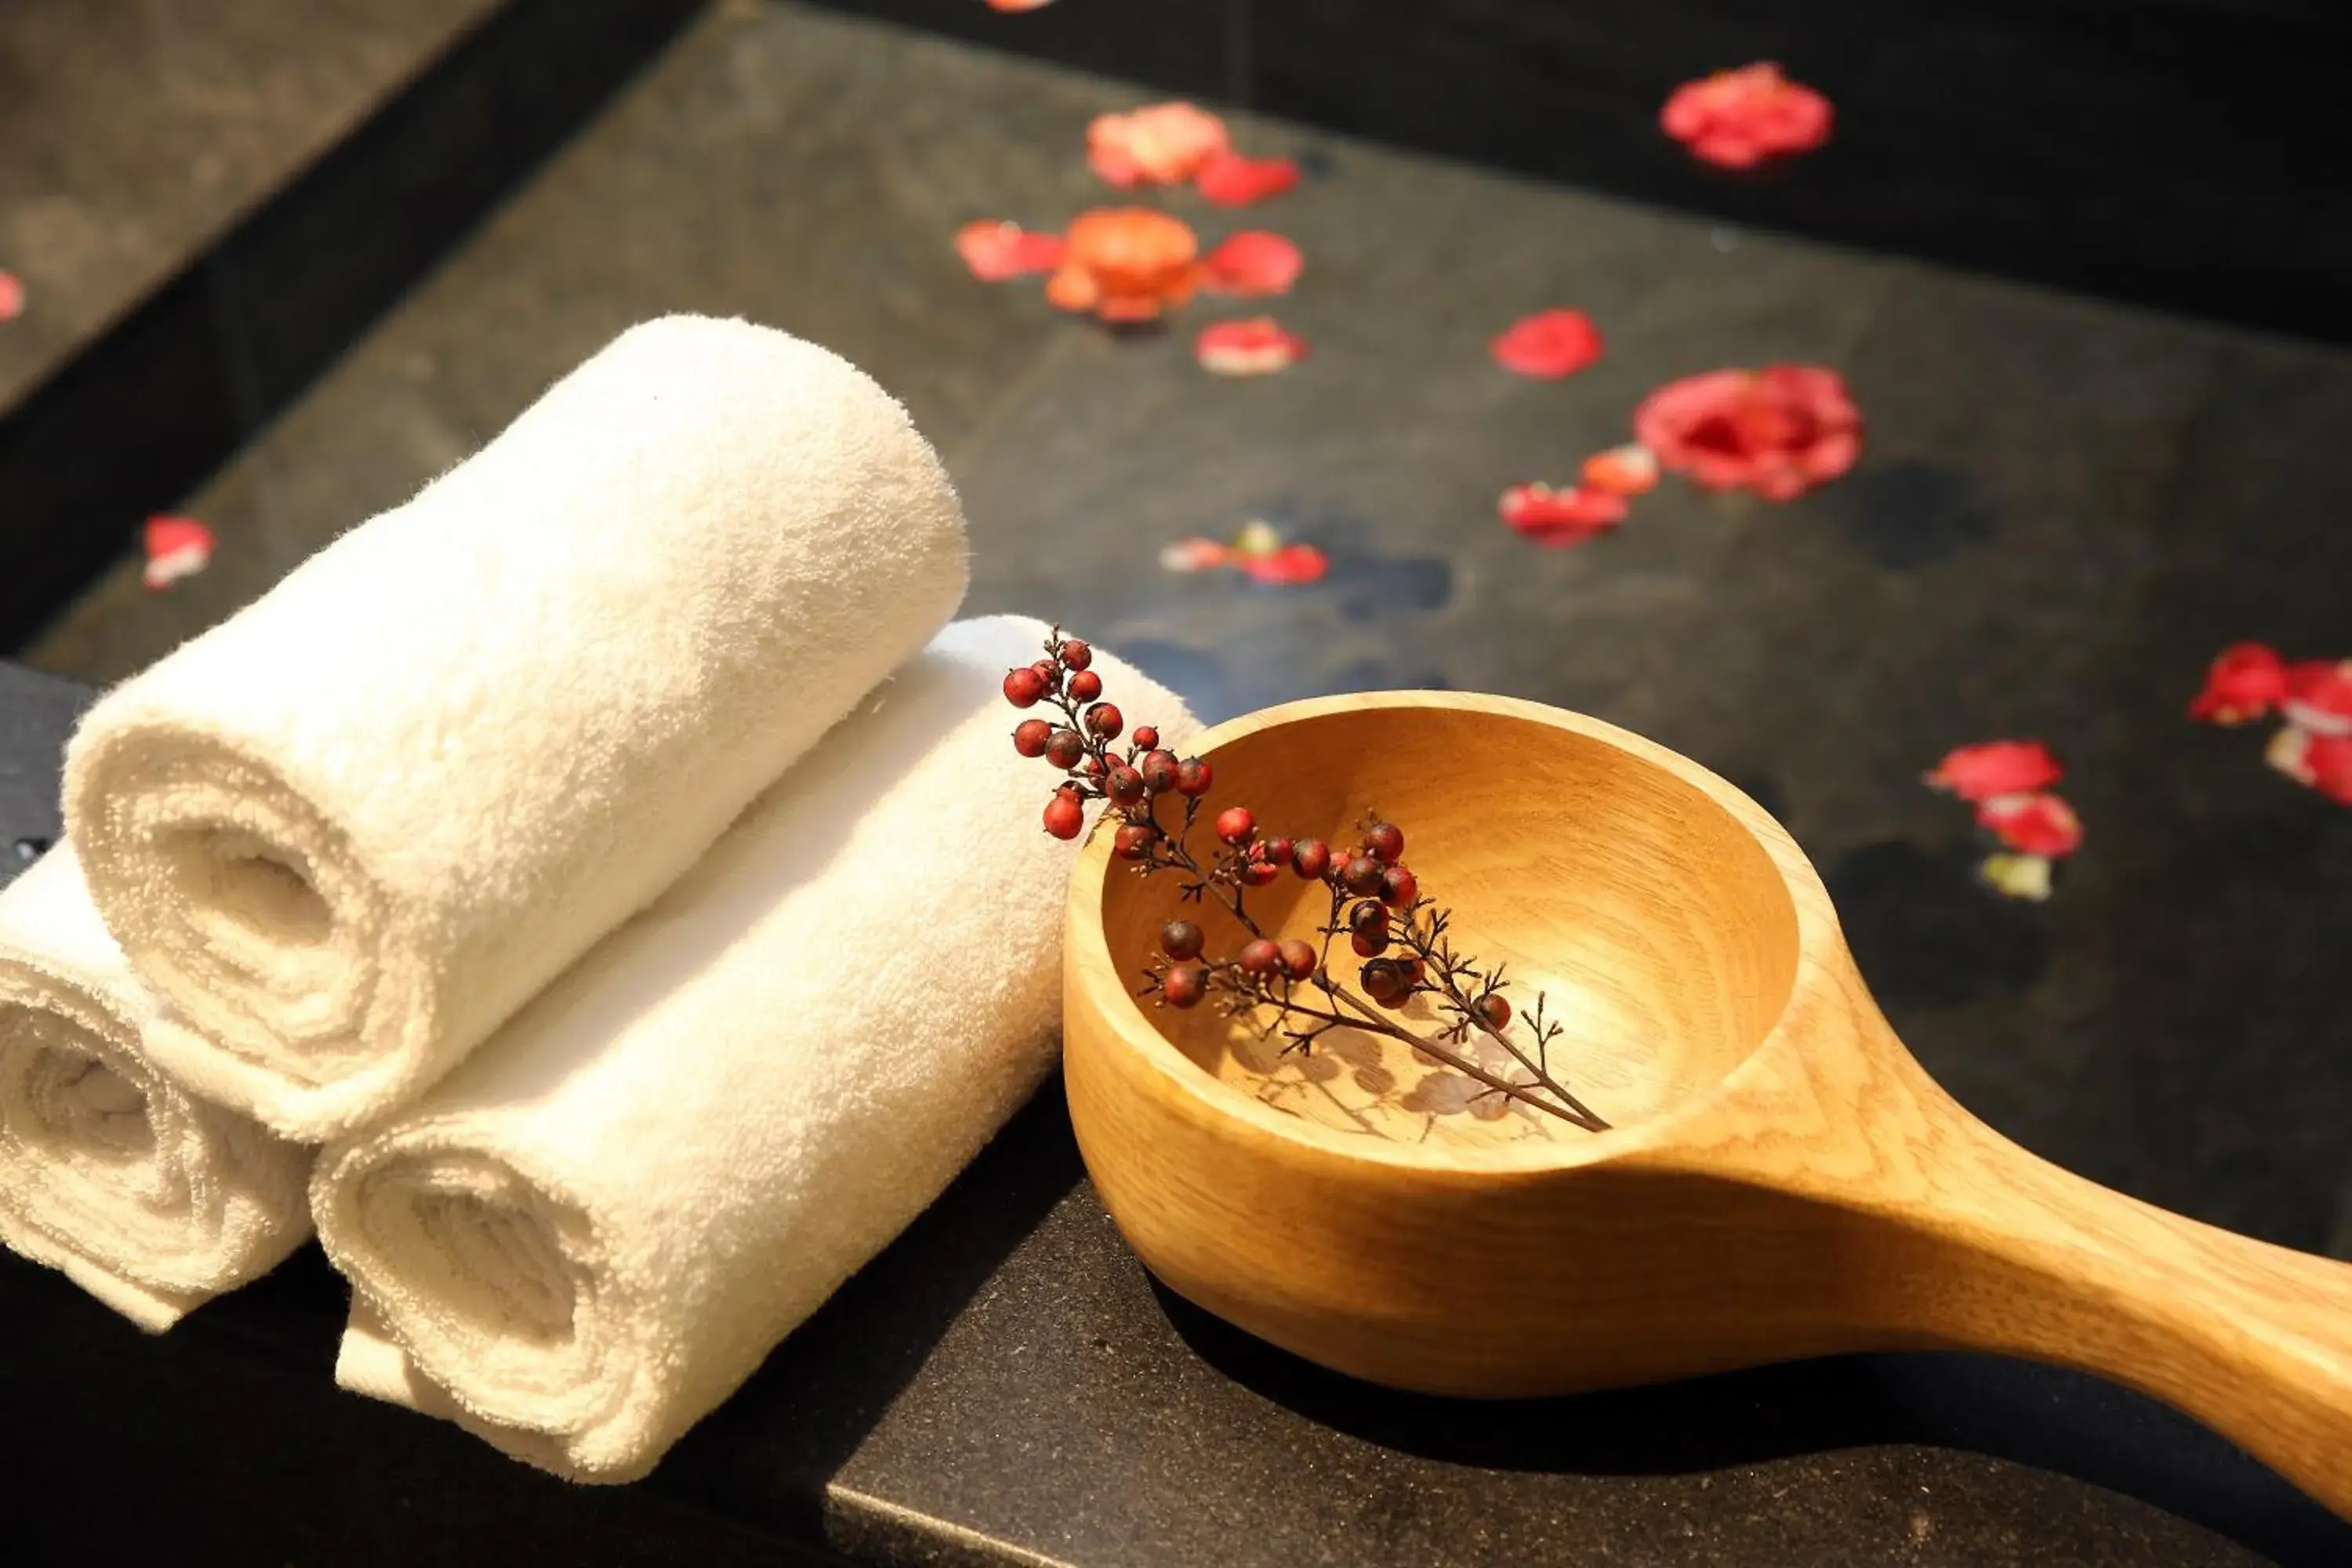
column 1782, row 1179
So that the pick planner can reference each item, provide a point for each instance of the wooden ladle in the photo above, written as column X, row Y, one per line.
column 1780, row 1178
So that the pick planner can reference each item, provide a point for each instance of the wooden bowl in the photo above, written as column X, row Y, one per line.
column 1780, row 1178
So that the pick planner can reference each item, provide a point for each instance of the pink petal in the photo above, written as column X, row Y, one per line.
column 177, row 547
column 1192, row 555
column 1831, row 457
column 1728, row 150
column 1230, row 180
column 997, row 251
column 1161, row 145
column 1258, row 346
column 1251, row 263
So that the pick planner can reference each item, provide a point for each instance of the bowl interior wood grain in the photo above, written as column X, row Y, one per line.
column 1647, row 918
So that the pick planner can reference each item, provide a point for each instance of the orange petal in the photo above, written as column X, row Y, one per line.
column 1072, row 288
column 1628, row 470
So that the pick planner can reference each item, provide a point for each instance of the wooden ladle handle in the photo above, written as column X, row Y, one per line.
column 2021, row 1256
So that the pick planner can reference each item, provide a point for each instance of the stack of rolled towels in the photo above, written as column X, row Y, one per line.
column 599, row 894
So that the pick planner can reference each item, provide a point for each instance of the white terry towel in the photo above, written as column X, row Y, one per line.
column 590, row 1234
column 150, row 1200
column 348, row 832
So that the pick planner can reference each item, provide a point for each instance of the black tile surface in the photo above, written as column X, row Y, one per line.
column 139, row 131
column 2187, row 155
column 215, row 203
column 2063, row 510
column 36, row 712
column 1195, row 47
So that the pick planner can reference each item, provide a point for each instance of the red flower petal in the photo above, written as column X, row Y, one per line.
column 1628, row 470
column 2328, row 760
column 1162, row 144
column 997, row 251
column 12, row 297
column 1737, row 118
column 1778, row 431
column 1230, row 180
column 1996, row 768
column 2246, row 681
column 2318, row 697
column 1548, row 344
column 1293, row 564
column 2033, row 822
column 177, row 547
column 1561, row 518
column 1252, row 262
column 1258, row 346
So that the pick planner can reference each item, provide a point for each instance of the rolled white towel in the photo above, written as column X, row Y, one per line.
column 348, row 832
column 591, row 1233
column 150, row 1200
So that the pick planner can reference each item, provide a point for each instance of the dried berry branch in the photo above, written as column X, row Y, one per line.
column 1400, row 937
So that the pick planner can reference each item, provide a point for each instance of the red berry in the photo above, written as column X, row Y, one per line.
column 1310, row 858
column 1157, row 768
column 1084, row 685
column 1368, row 919
column 1259, row 957
column 1297, row 958
column 1049, row 672
column 1146, row 737
column 1181, row 939
column 1413, row 971
column 1369, row 944
column 1023, row 688
column 1383, row 982
column 1124, row 785
column 1399, row 887
column 1063, row 748
column 1076, row 654
column 1258, row 873
column 1135, row 839
column 1192, row 777
column 1091, row 767
column 1384, row 841
column 1235, row 824
column 1498, row 1012
column 1361, row 876
column 1065, row 818
column 1277, row 851
column 1029, row 737
column 1105, row 719
column 1182, row 986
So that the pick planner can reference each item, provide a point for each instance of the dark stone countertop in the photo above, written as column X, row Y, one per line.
column 136, row 132
column 2064, row 510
